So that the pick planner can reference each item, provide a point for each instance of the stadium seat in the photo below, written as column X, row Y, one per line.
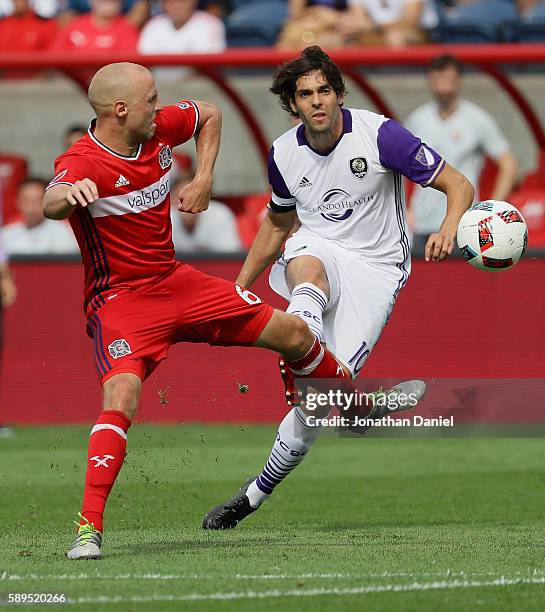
column 478, row 22
column 250, row 218
column 531, row 27
column 256, row 24
column 531, row 203
column 487, row 179
column 236, row 4
column 536, row 178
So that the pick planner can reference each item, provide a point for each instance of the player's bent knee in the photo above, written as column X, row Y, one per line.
column 286, row 334
column 299, row 340
column 307, row 269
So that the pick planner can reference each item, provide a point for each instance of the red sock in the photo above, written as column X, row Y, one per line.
column 107, row 446
column 317, row 363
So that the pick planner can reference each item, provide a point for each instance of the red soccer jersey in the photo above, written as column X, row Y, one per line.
column 26, row 32
column 125, row 236
column 82, row 33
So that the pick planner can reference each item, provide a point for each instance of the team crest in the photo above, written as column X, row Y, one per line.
column 425, row 157
column 119, row 348
column 359, row 167
column 165, row 157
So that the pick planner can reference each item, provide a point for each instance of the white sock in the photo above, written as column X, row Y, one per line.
column 308, row 302
column 293, row 440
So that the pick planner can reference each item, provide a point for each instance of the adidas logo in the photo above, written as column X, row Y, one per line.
column 121, row 181
column 304, row 182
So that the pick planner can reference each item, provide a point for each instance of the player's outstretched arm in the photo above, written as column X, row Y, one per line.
column 60, row 201
column 271, row 236
column 460, row 193
column 195, row 196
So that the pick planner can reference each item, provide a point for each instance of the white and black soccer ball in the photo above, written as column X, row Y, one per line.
column 492, row 235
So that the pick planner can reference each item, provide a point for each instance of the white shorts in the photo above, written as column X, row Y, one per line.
column 362, row 295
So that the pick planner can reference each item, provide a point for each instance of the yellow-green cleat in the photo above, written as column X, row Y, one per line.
column 87, row 543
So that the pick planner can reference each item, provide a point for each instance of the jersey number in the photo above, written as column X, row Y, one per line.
column 248, row 296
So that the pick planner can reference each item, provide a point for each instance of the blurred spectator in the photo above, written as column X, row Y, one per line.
column 463, row 132
column 212, row 231
column 526, row 6
column 13, row 169
column 24, row 31
column 182, row 29
column 219, row 8
column 36, row 235
column 72, row 134
column 137, row 11
column 313, row 22
column 395, row 23
column 43, row 8
column 334, row 23
column 103, row 29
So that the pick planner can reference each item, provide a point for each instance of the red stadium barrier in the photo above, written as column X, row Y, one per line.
column 451, row 321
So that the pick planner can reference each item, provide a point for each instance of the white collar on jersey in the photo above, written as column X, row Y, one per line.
column 92, row 136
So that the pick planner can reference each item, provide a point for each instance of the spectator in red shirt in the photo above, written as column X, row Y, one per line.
column 103, row 29
column 24, row 31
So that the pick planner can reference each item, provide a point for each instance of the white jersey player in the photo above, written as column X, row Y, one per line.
column 340, row 173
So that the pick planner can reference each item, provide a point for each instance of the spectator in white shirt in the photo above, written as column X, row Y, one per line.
column 464, row 133
column 182, row 29
column 34, row 234
column 394, row 23
column 212, row 231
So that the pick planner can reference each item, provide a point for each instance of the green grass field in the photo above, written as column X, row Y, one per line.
column 374, row 524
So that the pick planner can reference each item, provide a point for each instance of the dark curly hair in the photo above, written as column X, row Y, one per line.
column 311, row 59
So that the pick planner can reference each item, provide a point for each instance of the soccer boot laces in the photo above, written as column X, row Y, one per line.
column 87, row 543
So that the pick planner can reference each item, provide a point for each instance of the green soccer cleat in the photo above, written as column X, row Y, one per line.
column 87, row 543
column 392, row 400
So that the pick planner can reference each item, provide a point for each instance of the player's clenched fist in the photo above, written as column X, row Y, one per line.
column 195, row 197
column 439, row 246
column 82, row 192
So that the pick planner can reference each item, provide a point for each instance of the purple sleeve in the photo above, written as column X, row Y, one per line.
column 281, row 200
column 276, row 180
column 403, row 152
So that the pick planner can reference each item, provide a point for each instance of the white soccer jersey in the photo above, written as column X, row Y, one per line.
column 353, row 194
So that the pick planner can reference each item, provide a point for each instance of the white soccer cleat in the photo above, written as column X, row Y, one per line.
column 87, row 543
column 404, row 396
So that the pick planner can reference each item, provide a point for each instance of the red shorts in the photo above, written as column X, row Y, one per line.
column 133, row 331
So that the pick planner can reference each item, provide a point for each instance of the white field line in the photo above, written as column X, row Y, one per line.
column 360, row 590
column 5, row 576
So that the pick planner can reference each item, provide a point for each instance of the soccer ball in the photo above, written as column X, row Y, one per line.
column 492, row 235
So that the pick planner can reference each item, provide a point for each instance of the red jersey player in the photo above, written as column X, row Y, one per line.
column 113, row 185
